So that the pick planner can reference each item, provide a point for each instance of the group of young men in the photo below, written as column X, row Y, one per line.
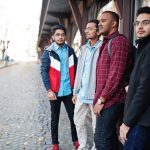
column 94, row 83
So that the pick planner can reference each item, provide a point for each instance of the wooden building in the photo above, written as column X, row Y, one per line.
column 74, row 14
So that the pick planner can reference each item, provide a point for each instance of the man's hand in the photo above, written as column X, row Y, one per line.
column 97, row 109
column 74, row 99
column 51, row 95
column 123, row 132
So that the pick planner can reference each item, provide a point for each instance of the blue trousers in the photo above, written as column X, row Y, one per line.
column 138, row 138
column 105, row 136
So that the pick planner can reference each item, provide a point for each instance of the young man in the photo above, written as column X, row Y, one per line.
column 85, row 81
column 58, row 73
column 135, row 130
column 110, row 82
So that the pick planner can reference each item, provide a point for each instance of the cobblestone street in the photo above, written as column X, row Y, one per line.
column 25, row 111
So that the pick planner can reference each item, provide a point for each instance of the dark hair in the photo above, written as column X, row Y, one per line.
column 56, row 27
column 94, row 21
column 114, row 15
column 142, row 10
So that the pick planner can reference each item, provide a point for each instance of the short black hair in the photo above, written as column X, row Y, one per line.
column 56, row 27
column 114, row 15
column 94, row 21
column 142, row 10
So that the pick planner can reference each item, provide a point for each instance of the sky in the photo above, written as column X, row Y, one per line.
column 19, row 24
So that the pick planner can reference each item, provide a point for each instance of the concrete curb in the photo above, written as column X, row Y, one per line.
column 4, row 64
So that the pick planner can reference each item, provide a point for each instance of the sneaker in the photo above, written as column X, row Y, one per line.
column 75, row 145
column 55, row 147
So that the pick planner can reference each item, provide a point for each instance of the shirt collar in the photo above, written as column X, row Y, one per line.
column 56, row 47
column 143, row 41
column 95, row 45
column 108, row 37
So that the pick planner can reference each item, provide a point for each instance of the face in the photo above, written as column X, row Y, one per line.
column 142, row 25
column 106, row 24
column 59, row 37
column 91, row 31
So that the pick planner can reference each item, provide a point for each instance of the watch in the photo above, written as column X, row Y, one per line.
column 100, row 101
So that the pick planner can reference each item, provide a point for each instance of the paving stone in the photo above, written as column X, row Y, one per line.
column 25, row 111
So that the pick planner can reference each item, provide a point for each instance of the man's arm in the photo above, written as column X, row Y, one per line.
column 140, row 101
column 75, row 61
column 119, row 54
column 45, row 64
column 75, row 90
column 141, row 98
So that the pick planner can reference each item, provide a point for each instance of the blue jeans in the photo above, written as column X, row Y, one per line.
column 105, row 136
column 138, row 138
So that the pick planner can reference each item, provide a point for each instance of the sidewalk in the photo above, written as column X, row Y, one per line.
column 25, row 115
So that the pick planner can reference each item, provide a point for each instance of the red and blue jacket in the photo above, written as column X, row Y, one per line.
column 50, row 68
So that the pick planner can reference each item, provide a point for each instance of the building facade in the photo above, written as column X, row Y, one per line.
column 74, row 15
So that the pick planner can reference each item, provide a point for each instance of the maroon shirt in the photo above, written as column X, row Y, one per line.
column 110, row 70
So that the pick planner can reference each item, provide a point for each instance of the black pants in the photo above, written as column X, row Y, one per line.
column 55, row 111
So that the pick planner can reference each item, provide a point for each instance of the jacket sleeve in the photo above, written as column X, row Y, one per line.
column 45, row 64
column 75, row 89
column 75, row 62
column 141, row 99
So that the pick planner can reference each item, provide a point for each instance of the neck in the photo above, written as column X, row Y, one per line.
column 143, row 40
column 93, row 41
column 60, row 45
column 113, row 30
